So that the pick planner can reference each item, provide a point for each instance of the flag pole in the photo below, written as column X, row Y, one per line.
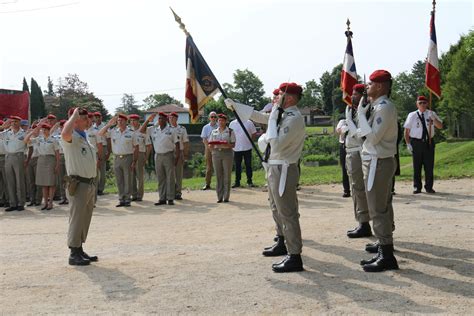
column 182, row 26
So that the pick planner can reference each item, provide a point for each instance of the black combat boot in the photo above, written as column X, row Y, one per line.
column 275, row 239
column 385, row 261
column 373, row 259
column 363, row 230
column 86, row 256
column 372, row 247
column 278, row 249
column 76, row 258
column 291, row 263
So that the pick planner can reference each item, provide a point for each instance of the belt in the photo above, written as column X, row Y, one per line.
column 284, row 173
column 353, row 149
column 420, row 140
column 84, row 180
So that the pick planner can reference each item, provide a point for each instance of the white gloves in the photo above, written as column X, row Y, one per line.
column 344, row 128
column 348, row 113
column 230, row 104
column 272, row 130
column 410, row 148
column 362, row 110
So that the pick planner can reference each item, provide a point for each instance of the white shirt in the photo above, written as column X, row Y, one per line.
column 413, row 123
column 342, row 136
column 207, row 129
column 123, row 143
column 163, row 140
column 242, row 142
column 92, row 136
column 14, row 142
column 183, row 135
column 80, row 157
column 142, row 140
column 102, row 139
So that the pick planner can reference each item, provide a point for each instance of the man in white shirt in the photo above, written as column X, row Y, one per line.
column 243, row 149
column 419, row 132
column 341, row 129
column 206, row 132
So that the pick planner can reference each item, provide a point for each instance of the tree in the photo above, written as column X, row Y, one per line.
column 37, row 106
column 25, row 85
column 129, row 105
column 311, row 95
column 156, row 100
column 247, row 89
column 50, row 90
column 217, row 106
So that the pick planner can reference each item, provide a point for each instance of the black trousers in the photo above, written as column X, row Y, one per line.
column 342, row 160
column 423, row 156
column 247, row 155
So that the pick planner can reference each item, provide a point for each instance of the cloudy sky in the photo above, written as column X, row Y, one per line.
column 125, row 46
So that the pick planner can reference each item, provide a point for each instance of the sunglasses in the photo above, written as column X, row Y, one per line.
column 213, row 116
column 422, row 102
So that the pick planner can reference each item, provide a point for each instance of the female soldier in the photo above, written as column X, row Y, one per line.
column 221, row 142
column 48, row 161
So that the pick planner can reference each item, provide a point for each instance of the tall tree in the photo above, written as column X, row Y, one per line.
column 311, row 95
column 155, row 100
column 50, row 90
column 25, row 85
column 247, row 88
column 129, row 105
column 37, row 106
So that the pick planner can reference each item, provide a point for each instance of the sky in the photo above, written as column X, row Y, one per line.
column 136, row 47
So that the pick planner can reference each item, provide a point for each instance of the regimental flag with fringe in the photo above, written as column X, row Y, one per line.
column 348, row 73
column 201, row 84
column 432, row 74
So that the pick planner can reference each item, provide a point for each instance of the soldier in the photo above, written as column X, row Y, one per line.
column 221, row 142
column 36, row 194
column 104, row 153
column 15, row 163
column 205, row 133
column 93, row 136
column 80, row 158
column 353, row 146
column 184, row 148
column 421, row 144
column 138, row 177
column 29, row 179
column 3, row 178
column 378, row 164
column 125, row 150
column 167, row 153
column 284, row 140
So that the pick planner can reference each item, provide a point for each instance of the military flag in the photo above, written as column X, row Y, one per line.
column 348, row 73
column 432, row 74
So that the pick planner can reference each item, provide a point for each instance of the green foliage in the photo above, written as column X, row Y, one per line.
column 247, row 89
column 321, row 145
column 323, row 160
column 50, row 90
column 311, row 95
column 37, row 106
column 197, row 164
column 25, row 85
column 156, row 100
column 216, row 106
column 129, row 105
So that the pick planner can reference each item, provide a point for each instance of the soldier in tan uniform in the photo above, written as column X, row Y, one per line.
column 103, row 154
column 3, row 178
column 166, row 145
column 353, row 147
column 36, row 194
column 95, row 140
column 282, row 143
column 81, row 166
column 15, row 163
column 184, row 148
column 380, row 131
column 221, row 142
column 125, row 150
column 138, row 177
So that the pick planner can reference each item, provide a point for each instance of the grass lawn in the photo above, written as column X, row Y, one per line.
column 319, row 130
column 452, row 160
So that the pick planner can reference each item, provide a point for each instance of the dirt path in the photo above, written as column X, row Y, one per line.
column 201, row 257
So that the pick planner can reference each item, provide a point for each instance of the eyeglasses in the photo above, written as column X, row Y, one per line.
column 422, row 102
column 213, row 116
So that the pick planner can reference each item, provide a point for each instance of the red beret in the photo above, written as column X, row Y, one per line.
column 222, row 115
column 134, row 117
column 97, row 114
column 422, row 98
column 123, row 116
column 1, row 122
column 359, row 87
column 45, row 125
column 14, row 117
column 34, row 126
column 82, row 111
column 380, row 76
column 163, row 114
column 174, row 114
column 90, row 115
column 61, row 123
column 291, row 88
column 276, row 91
column 51, row 117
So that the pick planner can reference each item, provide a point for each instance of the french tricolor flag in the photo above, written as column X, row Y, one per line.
column 432, row 75
column 349, row 73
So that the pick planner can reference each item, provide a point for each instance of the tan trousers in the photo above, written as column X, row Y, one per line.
column 356, row 179
column 3, row 181
column 276, row 217
column 138, row 178
column 123, row 176
column 179, row 175
column 15, row 172
column 61, row 174
column 164, row 165
column 379, row 199
column 208, row 156
column 102, row 170
column 287, row 206
column 222, row 161
column 80, row 214
column 35, row 191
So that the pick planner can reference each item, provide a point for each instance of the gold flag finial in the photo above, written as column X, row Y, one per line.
column 181, row 24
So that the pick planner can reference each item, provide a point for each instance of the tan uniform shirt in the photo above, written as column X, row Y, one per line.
column 80, row 157
column 124, row 142
column 45, row 146
column 382, row 140
column 163, row 140
column 183, row 135
column 142, row 140
column 92, row 136
column 227, row 135
column 14, row 142
column 102, row 139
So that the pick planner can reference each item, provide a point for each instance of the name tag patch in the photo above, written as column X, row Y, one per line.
column 379, row 120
